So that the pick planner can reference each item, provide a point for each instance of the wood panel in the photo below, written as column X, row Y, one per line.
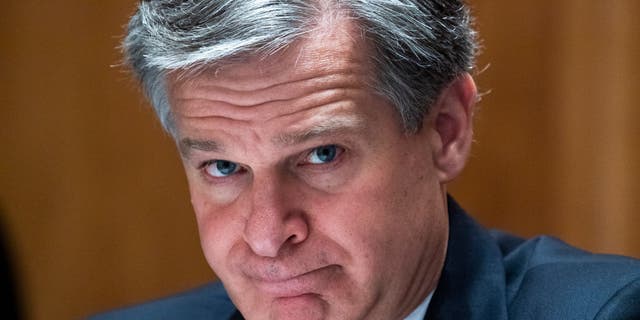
column 96, row 206
column 556, row 139
column 505, row 183
column 93, row 192
column 596, row 97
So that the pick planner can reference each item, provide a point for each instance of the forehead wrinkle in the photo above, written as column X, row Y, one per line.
column 195, row 108
column 218, row 91
column 248, row 78
column 326, row 99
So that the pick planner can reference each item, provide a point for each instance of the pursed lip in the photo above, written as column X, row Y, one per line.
column 311, row 282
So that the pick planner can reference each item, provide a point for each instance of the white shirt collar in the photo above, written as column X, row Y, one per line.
column 421, row 310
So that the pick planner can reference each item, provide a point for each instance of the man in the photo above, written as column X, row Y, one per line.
column 318, row 138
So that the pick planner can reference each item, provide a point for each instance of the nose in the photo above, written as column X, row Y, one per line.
column 274, row 222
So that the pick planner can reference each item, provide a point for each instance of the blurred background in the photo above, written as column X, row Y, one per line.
column 94, row 207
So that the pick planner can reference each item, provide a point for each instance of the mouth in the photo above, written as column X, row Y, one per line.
column 308, row 283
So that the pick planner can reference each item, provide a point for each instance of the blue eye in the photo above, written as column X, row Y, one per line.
column 221, row 168
column 324, row 154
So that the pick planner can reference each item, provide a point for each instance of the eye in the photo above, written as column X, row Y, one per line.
column 221, row 168
column 323, row 154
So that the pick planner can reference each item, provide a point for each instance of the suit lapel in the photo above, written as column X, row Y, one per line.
column 472, row 284
column 236, row 316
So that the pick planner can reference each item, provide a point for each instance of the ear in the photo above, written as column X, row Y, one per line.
column 451, row 124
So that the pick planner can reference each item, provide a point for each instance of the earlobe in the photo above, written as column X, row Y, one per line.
column 452, row 123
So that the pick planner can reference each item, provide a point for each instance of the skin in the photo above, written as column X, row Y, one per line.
column 361, row 236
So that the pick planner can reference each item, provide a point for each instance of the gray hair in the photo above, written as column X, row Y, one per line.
column 419, row 46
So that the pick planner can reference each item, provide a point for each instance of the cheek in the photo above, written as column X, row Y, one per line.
column 217, row 229
column 382, row 219
column 358, row 221
column 218, row 193
column 210, row 201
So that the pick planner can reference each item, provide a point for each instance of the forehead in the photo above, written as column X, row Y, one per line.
column 322, row 77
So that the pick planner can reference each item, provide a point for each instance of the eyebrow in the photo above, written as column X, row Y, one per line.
column 187, row 144
column 332, row 126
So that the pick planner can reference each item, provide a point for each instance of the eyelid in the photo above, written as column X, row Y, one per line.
column 339, row 155
column 202, row 168
column 204, row 164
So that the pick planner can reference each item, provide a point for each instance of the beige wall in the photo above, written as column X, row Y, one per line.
column 95, row 203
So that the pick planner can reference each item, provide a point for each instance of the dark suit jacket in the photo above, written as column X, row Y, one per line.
column 488, row 275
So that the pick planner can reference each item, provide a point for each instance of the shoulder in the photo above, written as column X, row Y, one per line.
column 545, row 276
column 206, row 302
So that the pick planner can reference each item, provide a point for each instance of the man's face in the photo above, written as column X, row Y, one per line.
column 311, row 202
